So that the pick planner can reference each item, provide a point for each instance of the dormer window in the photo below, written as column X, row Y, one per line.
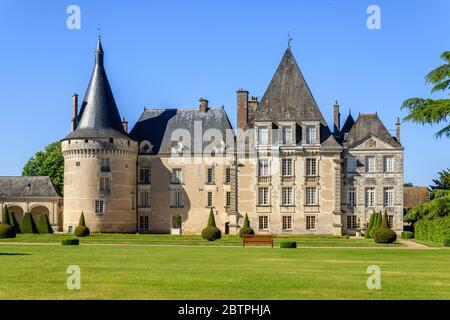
column 286, row 134
column 105, row 165
column 263, row 136
column 311, row 134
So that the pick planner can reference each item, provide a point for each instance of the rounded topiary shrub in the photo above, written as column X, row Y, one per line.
column 70, row 242
column 246, row 230
column 7, row 231
column 407, row 234
column 288, row 244
column 82, row 230
column 447, row 242
column 384, row 235
column 211, row 233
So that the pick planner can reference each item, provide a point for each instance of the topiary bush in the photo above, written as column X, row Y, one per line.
column 384, row 234
column 211, row 232
column 5, row 216
column 288, row 244
column 13, row 222
column 377, row 220
column 28, row 225
column 7, row 231
column 82, row 230
column 447, row 242
column 44, row 225
column 370, row 226
column 70, row 242
column 407, row 234
column 246, row 230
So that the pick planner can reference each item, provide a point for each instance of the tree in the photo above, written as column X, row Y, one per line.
column 82, row 230
column 246, row 230
column 49, row 162
column 370, row 225
column 443, row 182
column 211, row 232
column 44, row 225
column 408, row 184
column 429, row 111
column 384, row 234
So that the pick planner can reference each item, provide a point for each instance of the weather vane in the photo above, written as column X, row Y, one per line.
column 289, row 40
column 99, row 33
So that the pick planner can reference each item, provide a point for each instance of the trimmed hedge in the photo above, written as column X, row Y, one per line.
column 407, row 235
column 44, row 225
column 246, row 230
column 7, row 231
column 436, row 230
column 447, row 242
column 28, row 225
column 70, row 242
column 82, row 230
column 211, row 232
column 288, row 244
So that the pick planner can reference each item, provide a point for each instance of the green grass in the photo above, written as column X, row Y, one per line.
column 227, row 240
column 198, row 272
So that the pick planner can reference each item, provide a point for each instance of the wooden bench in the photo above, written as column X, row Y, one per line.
column 258, row 239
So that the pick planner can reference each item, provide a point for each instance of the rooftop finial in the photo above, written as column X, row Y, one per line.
column 99, row 33
column 289, row 40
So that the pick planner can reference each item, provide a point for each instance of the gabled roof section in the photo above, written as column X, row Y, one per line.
column 158, row 125
column 347, row 125
column 369, row 125
column 28, row 187
column 99, row 116
column 288, row 97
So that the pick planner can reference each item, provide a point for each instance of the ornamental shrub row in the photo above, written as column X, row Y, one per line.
column 288, row 244
column 436, row 230
column 70, row 242
column 6, row 229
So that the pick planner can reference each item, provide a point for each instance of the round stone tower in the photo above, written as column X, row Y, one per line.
column 99, row 161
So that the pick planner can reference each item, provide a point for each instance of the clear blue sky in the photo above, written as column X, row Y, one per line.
column 171, row 53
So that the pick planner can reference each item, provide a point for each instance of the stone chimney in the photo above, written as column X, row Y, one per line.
column 125, row 124
column 203, row 105
column 336, row 118
column 74, row 111
column 242, row 109
column 397, row 130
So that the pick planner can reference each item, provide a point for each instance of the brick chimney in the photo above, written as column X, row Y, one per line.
column 203, row 105
column 125, row 124
column 397, row 130
column 74, row 111
column 242, row 109
column 336, row 118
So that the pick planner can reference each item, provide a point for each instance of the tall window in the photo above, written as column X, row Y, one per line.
column 286, row 196
column 311, row 134
column 263, row 222
column 228, row 175
column 99, row 207
column 311, row 196
column 144, row 199
column 388, row 163
column 351, row 164
column 133, row 202
column 177, row 199
column 263, row 136
column 310, row 222
column 286, row 135
column 286, row 167
column 370, row 197
column 263, row 196
column 388, row 197
column 351, row 197
column 143, row 222
column 177, row 176
column 311, row 167
column 144, row 176
column 104, row 164
column 209, row 199
column 351, row 222
column 370, row 164
column 228, row 199
column 263, row 165
column 210, row 176
column 105, row 184
column 286, row 223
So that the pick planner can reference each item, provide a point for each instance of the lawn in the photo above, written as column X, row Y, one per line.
column 38, row 271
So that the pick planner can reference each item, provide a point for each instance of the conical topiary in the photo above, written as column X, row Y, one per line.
column 44, row 225
column 28, row 225
column 14, row 223
column 370, row 226
column 82, row 230
column 377, row 220
column 384, row 234
column 211, row 232
column 246, row 230
column 5, row 215
column 6, row 230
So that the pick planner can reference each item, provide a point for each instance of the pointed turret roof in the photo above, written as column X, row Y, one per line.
column 347, row 125
column 99, row 116
column 288, row 96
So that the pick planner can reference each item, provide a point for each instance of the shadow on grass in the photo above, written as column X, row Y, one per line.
column 13, row 254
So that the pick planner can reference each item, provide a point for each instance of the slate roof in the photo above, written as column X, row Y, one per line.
column 27, row 187
column 157, row 126
column 367, row 125
column 98, row 116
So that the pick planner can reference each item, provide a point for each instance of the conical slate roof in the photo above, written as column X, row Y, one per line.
column 347, row 125
column 99, row 116
column 288, row 96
